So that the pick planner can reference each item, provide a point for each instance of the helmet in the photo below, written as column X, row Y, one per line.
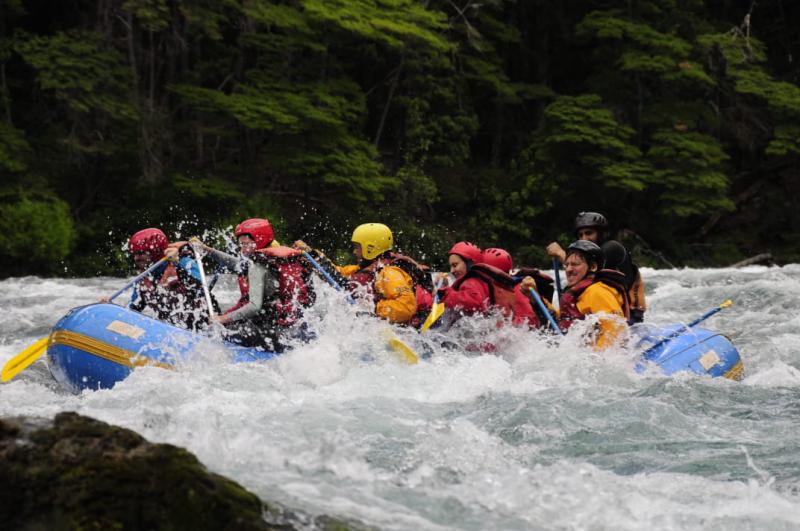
column 590, row 219
column 614, row 254
column 374, row 239
column 498, row 258
column 467, row 251
column 590, row 251
column 258, row 229
column 151, row 241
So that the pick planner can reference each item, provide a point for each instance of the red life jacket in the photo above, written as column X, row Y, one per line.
column 294, row 287
column 501, row 288
column 568, row 304
column 569, row 298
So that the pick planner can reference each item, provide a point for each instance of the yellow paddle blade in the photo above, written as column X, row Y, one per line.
column 21, row 361
column 404, row 352
column 436, row 311
column 726, row 304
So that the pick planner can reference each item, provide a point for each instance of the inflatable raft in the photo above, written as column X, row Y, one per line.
column 96, row 346
column 696, row 350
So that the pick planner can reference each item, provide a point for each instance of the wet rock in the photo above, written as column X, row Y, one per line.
column 74, row 472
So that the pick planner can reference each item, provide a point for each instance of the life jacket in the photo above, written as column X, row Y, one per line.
column 618, row 281
column 568, row 302
column 501, row 286
column 294, row 285
column 422, row 282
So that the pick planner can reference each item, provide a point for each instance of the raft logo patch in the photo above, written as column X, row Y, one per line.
column 125, row 329
column 709, row 359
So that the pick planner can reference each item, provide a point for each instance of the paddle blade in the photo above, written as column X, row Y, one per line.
column 24, row 359
column 436, row 311
column 404, row 352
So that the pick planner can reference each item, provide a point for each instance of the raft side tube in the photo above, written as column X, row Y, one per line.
column 96, row 346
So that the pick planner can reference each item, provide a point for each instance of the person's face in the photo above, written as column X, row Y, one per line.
column 576, row 268
column 588, row 233
column 142, row 260
column 357, row 252
column 458, row 267
column 247, row 244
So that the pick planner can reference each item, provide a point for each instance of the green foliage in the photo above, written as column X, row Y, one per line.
column 14, row 150
column 36, row 231
column 688, row 168
column 580, row 139
column 153, row 15
column 394, row 23
column 493, row 120
column 81, row 70
column 786, row 141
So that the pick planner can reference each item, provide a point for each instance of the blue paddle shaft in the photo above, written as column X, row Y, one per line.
column 686, row 328
column 543, row 308
column 136, row 279
column 327, row 275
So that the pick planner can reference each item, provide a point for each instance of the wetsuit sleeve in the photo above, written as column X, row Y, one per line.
column 262, row 289
column 229, row 261
column 397, row 303
column 599, row 298
column 471, row 297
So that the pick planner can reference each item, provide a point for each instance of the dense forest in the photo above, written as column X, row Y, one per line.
column 493, row 120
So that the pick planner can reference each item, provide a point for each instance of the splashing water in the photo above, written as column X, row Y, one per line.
column 540, row 436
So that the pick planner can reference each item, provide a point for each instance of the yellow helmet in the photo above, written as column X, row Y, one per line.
column 374, row 239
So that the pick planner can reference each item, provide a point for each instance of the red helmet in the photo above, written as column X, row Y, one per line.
column 151, row 241
column 467, row 251
column 258, row 229
column 498, row 258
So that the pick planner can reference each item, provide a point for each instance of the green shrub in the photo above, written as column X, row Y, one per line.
column 36, row 233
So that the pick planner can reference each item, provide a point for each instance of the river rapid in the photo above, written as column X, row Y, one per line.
column 539, row 436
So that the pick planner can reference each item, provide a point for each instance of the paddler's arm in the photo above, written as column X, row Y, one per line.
column 471, row 297
column 182, row 255
column 327, row 264
column 262, row 287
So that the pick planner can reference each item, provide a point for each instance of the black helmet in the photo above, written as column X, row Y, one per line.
column 590, row 251
column 590, row 219
column 614, row 254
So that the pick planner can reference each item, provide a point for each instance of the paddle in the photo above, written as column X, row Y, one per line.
column 206, row 291
column 137, row 278
column 557, row 276
column 686, row 328
column 543, row 308
column 408, row 354
column 21, row 361
column 437, row 310
column 24, row 359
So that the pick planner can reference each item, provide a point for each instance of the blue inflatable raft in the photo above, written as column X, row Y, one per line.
column 696, row 350
column 96, row 346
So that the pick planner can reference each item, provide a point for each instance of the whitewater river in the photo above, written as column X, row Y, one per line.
column 538, row 437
